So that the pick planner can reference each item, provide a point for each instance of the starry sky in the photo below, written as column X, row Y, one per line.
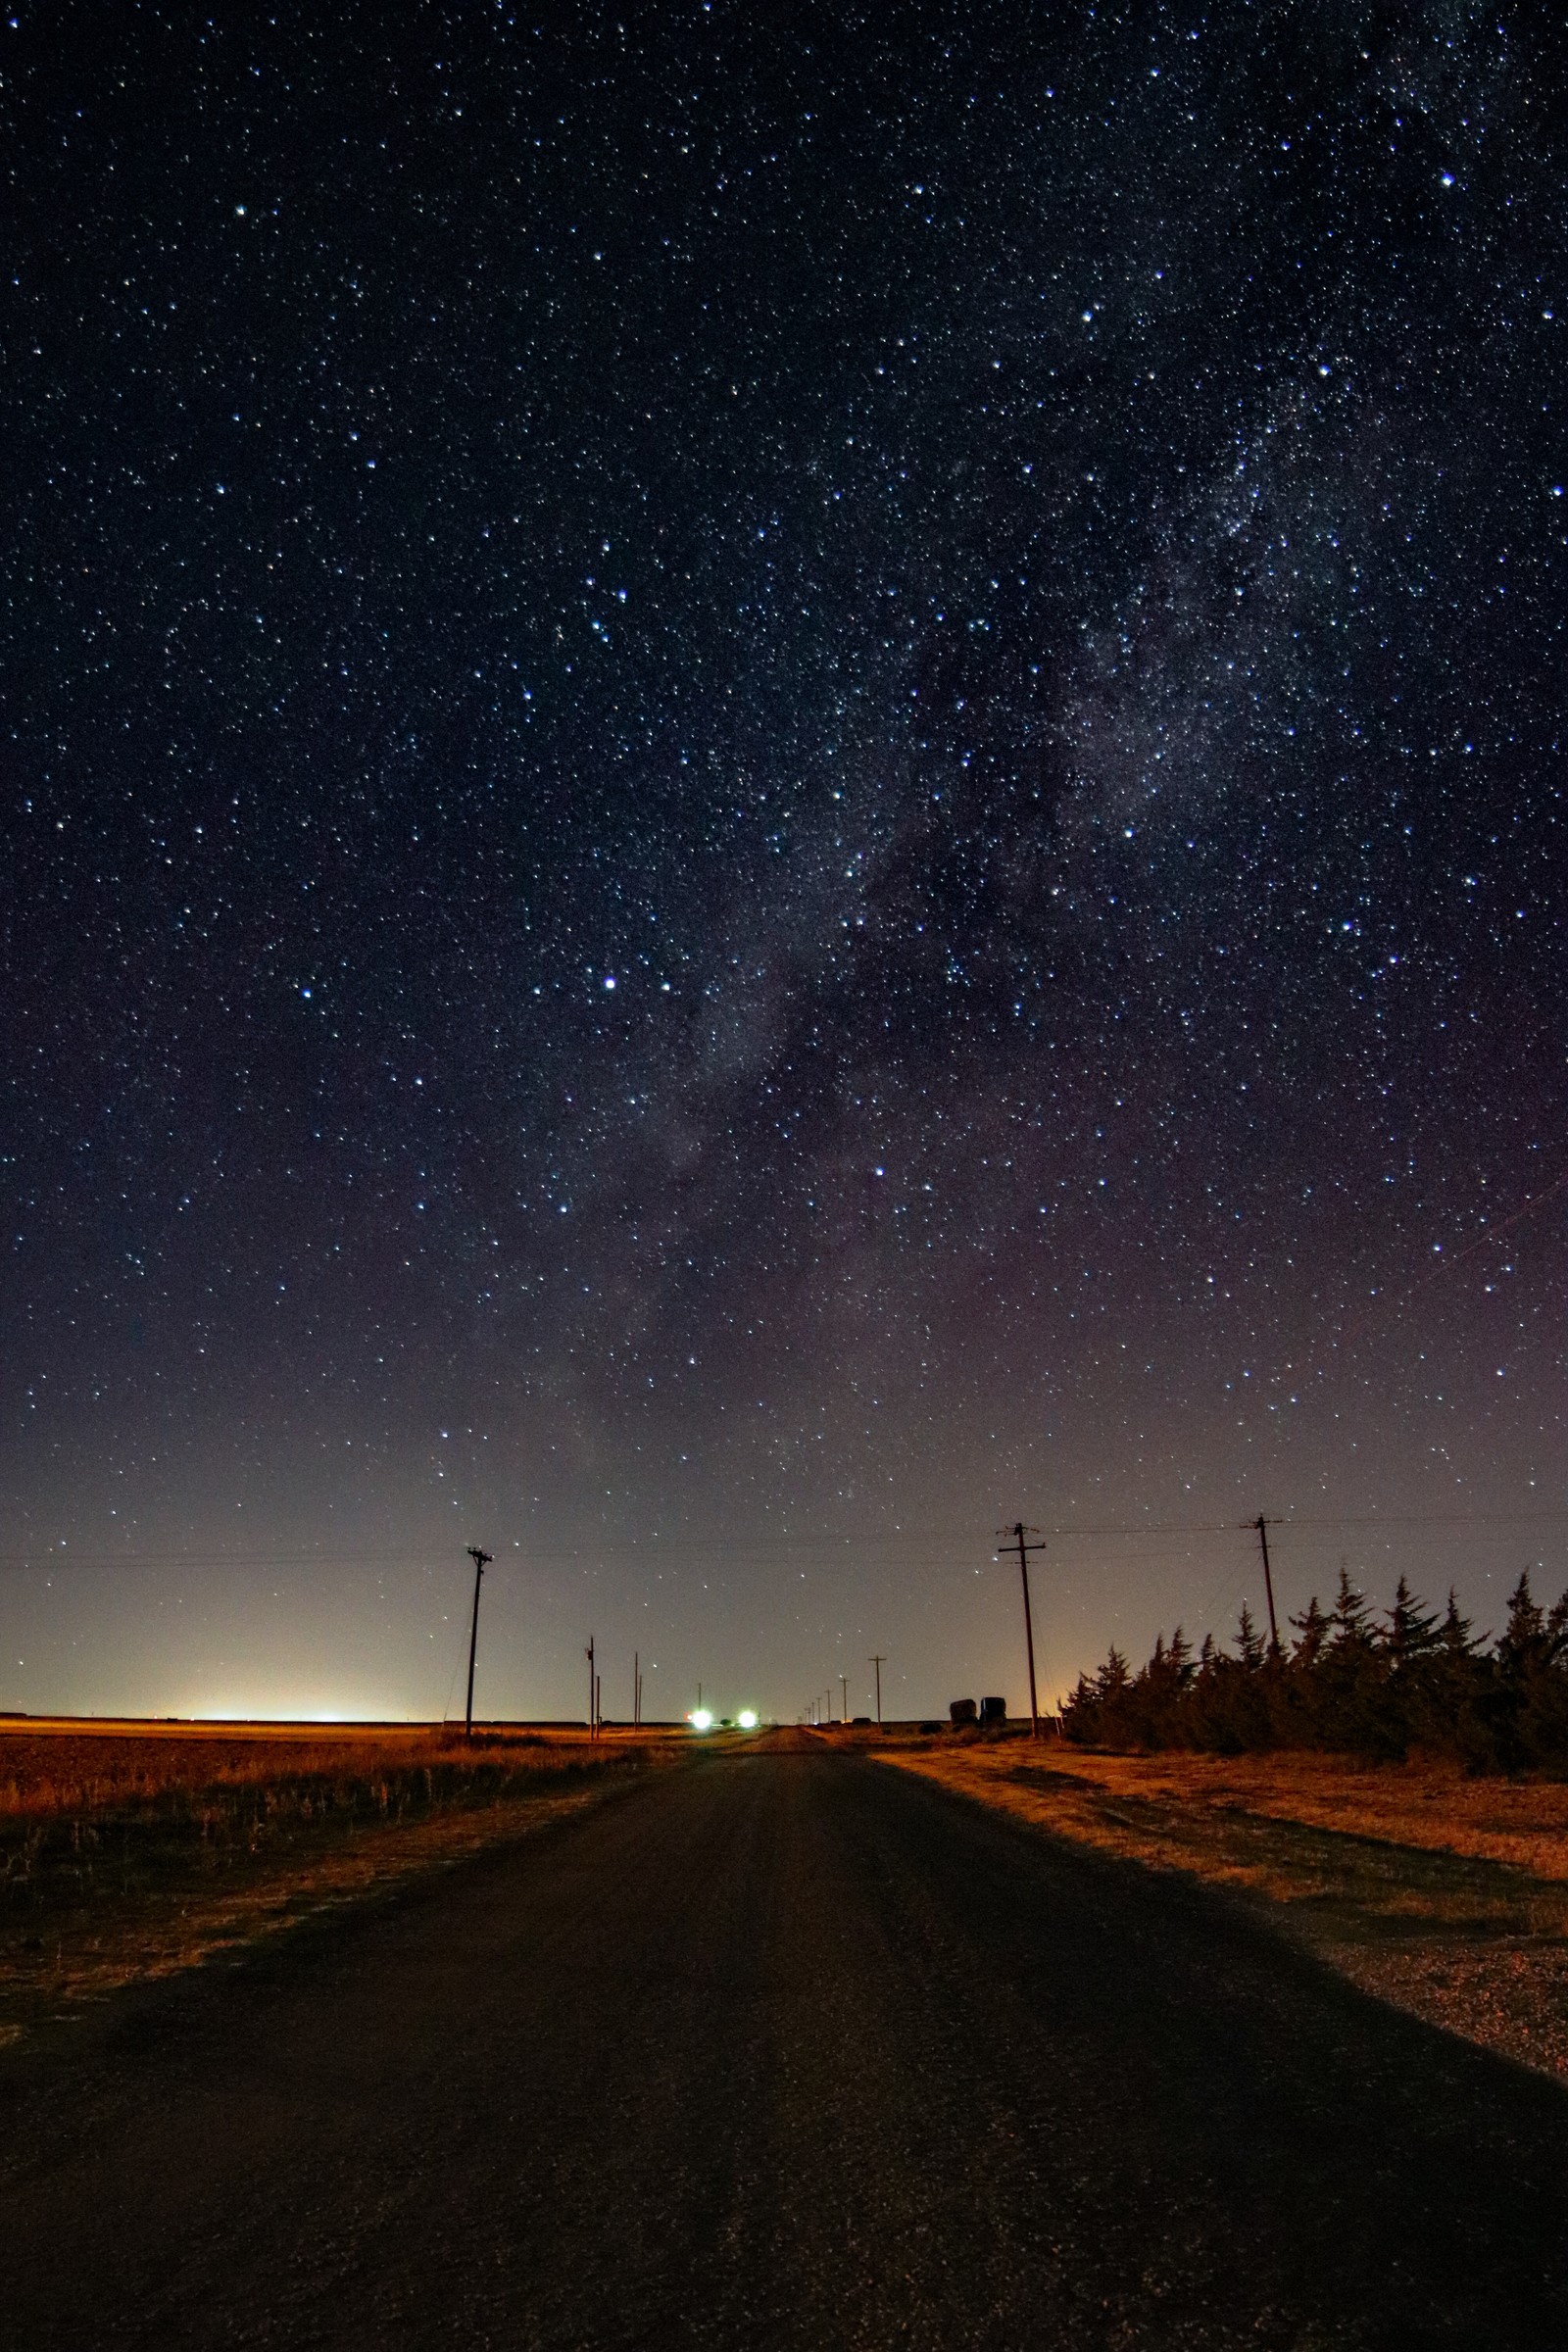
column 780, row 781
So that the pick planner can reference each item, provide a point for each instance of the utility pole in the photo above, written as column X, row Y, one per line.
column 592, row 1685
column 636, row 1688
column 878, row 1662
column 844, row 1681
column 481, row 1561
column 1261, row 1525
column 1017, row 1532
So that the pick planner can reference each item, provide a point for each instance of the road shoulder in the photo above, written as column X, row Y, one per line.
column 1447, row 1899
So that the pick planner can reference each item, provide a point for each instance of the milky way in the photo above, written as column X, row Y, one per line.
column 781, row 780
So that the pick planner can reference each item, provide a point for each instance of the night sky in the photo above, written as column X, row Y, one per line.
column 781, row 780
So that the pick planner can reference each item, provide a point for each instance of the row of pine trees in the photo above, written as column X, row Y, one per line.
column 1349, row 1681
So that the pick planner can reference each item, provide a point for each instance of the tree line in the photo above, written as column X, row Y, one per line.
column 1350, row 1680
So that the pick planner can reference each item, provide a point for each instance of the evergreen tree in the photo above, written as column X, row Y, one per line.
column 1114, row 1677
column 1159, row 1691
column 1350, row 1619
column 1313, row 1627
column 1412, row 1637
column 1251, row 1647
column 1077, row 1716
column 1350, row 1685
column 1455, row 1637
column 1098, row 1712
column 1532, row 1707
column 1544, row 1721
column 1522, row 1643
column 1349, row 1682
column 1455, row 1706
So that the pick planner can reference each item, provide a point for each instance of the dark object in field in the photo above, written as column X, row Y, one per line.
column 993, row 1710
column 960, row 1710
column 928, row 1728
column 853, row 1719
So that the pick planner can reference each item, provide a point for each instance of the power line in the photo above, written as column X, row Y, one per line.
column 939, row 1547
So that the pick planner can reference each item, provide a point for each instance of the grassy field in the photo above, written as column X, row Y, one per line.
column 129, row 1852
column 1444, row 1895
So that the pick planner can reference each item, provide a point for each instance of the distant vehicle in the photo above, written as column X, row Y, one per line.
column 853, row 1719
column 993, row 1710
column 961, row 1710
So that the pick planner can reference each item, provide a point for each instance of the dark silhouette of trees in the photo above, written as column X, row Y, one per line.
column 1348, row 1681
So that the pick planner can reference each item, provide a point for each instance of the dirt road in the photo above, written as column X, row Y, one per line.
column 783, row 2049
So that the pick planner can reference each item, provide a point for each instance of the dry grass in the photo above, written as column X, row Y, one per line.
column 1444, row 1895
column 131, row 1854
column 1430, row 1806
column 85, row 1771
column 1433, row 1805
column 1412, row 1839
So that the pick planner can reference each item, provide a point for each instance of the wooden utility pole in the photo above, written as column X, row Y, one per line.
column 1261, row 1525
column 636, row 1687
column 592, row 1685
column 878, row 1662
column 843, row 1685
column 1018, row 1533
column 481, row 1561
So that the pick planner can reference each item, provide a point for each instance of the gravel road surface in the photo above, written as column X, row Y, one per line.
column 785, row 2048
